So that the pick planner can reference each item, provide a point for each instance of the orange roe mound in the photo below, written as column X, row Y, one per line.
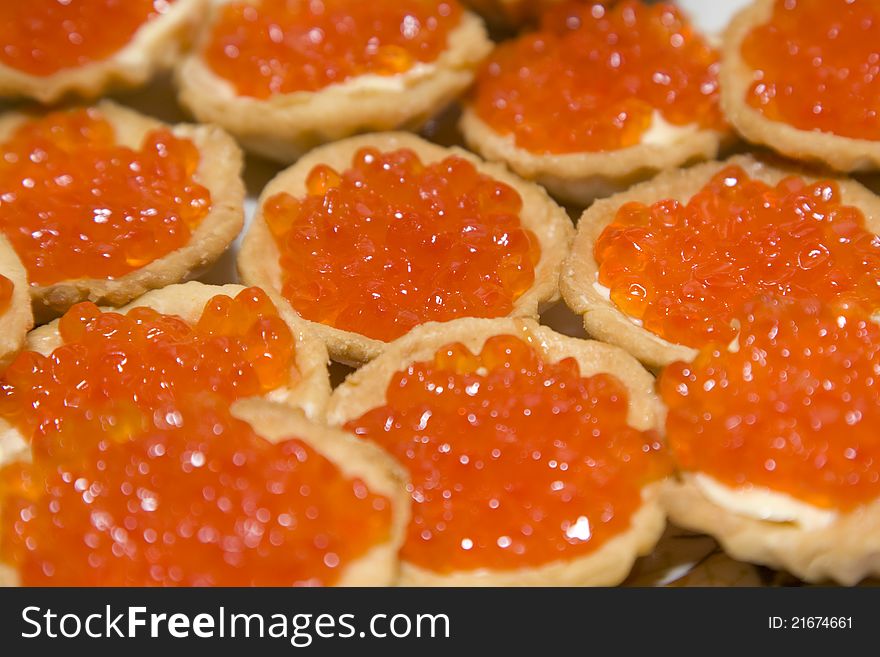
column 391, row 243
column 609, row 70
column 6, row 289
column 686, row 271
column 794, row 409
column 514, row 461
column 818, row 66
column 278, row 47
column 141, row 475
column 75, row 204
column 42, row 37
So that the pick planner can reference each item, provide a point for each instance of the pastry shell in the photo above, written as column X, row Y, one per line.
column 837, row 152
column 155, row 46
column 602, row 319
column 355, row 459
column 219, row 170
column 366, row 388
column 847, row 550
column 580, row 178
column 258, row 260
column 284, row 126
column 17, row 319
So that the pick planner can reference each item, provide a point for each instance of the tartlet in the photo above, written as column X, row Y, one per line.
column 16, row 318
column 775, row 442
column 841, row 153
column 154, row 46
column 258, row 260
column 607, row 564
column 579, row 281
column 187, row 301
column 218, row 171
column 283, row 126
column 354, row 459
column 579, row 171
column 845, row 551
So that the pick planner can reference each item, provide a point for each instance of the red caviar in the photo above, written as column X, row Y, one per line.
column 6, row 289
column 277, row 46
column 514, row 461
column 687, row 270
column 42, row 37
column 795, row 408
column 592, row 78
column 391, row 243
column 76, row 204
column 141, row 475
column 818, row 66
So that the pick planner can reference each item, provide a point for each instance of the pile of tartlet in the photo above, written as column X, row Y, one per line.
column 727, row 385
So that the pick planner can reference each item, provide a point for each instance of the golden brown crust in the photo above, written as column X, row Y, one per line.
column 356, row 459
column 847, row 550
column 155, row 46
column 285, row 126
column 366, row 388
column 258, row 259
column 17, row 319
column 840, row 153
column 579, row 178
column 219, row 170
column 602, row 319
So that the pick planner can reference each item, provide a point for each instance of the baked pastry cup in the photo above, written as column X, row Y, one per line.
column 837, row 152
column 581, row 178
column 155, row 46
column 774, row 441
column 579, row 282
column 580, row 172
column 311, row 389
column 219, row 171
column 353, row 459
column 16, row 318
column 844, row 550
column 284, row 126
column 258, row 260
column 609, row 563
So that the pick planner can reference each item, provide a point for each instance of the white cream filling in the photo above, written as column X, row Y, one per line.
column 762, row 503
column 663, row 133
column 398, row 82
column 605, row 293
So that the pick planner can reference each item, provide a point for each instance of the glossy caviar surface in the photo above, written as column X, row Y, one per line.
column 6, row 289
column 42, row 37
column 276, row 46
column 610, row 69
column 142, row 476
column 687, row 270
column 514, row 461
column 818, row 66
column 795, row 408
column 392, row 242
column 76, row 204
